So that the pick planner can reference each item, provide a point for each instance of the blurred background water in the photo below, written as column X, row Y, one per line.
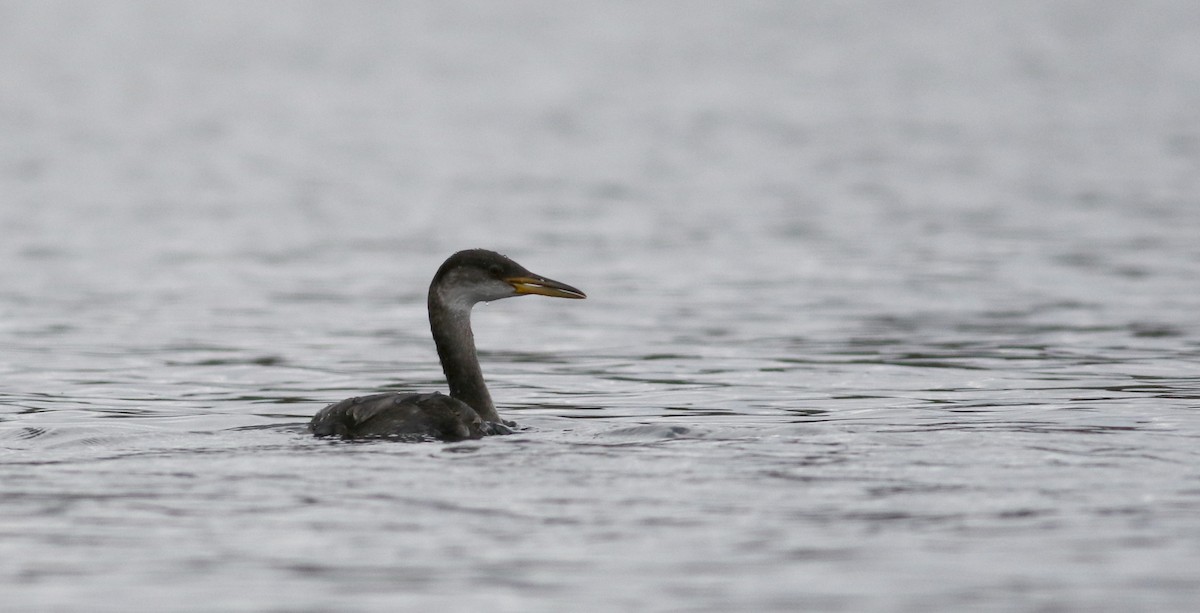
column 892, row 305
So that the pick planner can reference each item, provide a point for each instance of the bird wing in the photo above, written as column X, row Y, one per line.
column 396, row 415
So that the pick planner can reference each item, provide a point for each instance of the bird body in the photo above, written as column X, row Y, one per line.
column 466, row 278
column 403, row 416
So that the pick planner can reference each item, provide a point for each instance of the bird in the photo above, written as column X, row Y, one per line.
column 464, row 279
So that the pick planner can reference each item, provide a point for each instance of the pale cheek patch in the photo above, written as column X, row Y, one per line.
column 462, row 298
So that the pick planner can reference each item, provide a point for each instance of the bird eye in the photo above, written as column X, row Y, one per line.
column 495, row 270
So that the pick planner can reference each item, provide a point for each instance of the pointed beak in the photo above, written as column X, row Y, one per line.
column 534, row 284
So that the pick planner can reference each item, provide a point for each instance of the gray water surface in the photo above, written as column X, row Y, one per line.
column 892, row 306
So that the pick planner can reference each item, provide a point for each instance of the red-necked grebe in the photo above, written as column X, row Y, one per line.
column 467, row 277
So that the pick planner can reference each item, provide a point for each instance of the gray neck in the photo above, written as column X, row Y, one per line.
column 456, row 349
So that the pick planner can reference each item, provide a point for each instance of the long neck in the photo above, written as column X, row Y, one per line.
column 456, row 349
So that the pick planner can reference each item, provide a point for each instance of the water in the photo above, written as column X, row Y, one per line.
column 891, row 307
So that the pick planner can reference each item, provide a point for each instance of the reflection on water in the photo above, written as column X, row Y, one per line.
column 890, row 310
